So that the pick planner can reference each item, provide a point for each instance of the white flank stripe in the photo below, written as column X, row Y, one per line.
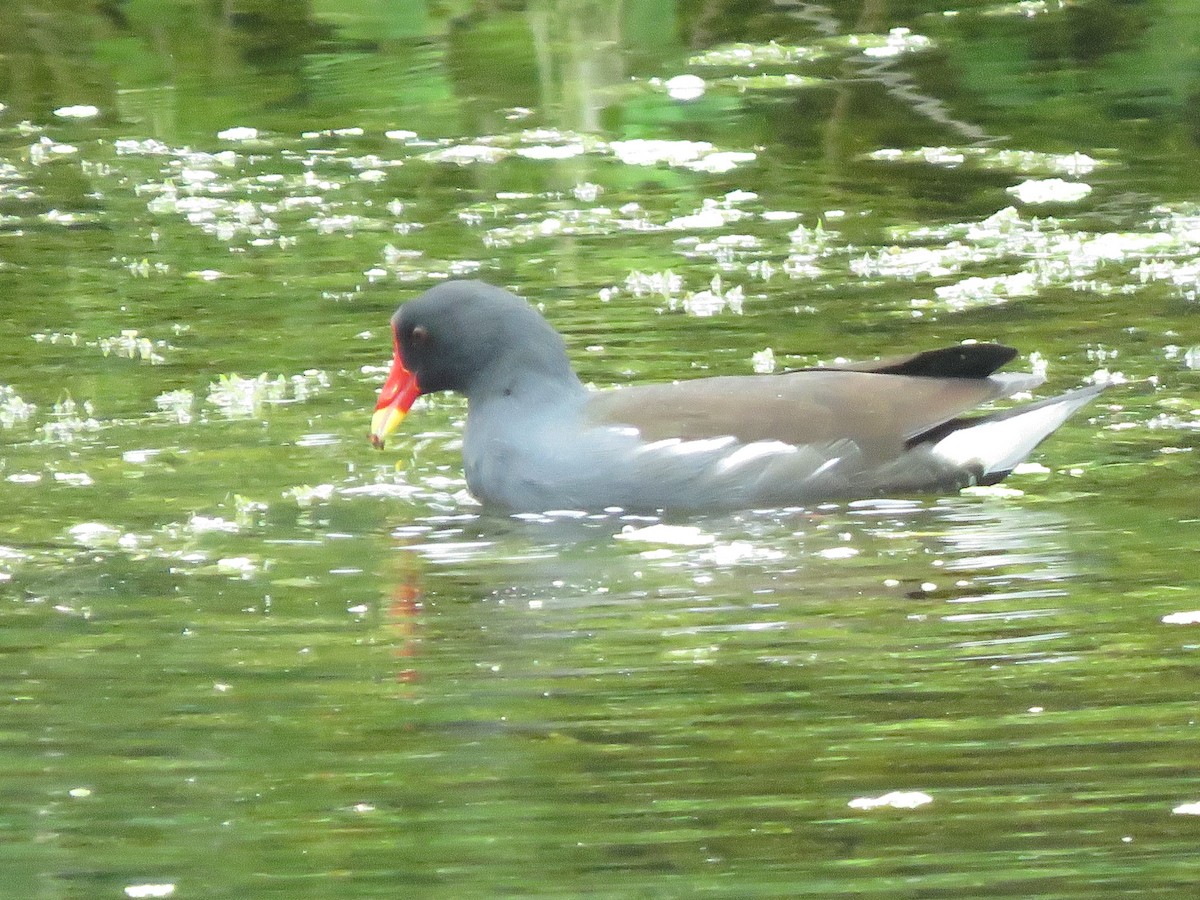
column 657, row 446
column 756, row 450
column 825, row 466
column 706, row 445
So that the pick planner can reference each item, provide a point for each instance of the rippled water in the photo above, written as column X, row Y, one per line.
column 245, row 655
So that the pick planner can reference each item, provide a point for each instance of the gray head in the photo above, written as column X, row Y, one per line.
column 477, row 339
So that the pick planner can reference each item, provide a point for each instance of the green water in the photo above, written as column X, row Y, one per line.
column 244, row 655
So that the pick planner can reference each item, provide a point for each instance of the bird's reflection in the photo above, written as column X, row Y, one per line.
column 524, row 588
column 404, row 610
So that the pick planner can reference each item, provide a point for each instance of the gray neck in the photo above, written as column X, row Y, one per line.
column 532, row 382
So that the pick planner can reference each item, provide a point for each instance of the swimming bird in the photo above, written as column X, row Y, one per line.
column 537, row 439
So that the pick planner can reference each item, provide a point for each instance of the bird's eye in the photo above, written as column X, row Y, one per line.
column 419, row 335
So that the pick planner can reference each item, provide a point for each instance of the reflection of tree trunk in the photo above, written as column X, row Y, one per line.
column 843, row 98
column 700, row 33
column 540, row 28
column 899, row 85
column 48, row 55
column 224, row 55
column 818, row 15
column 577, row 45
column 871, row 18
column 573, row 80
column 902, row 87
column 583, row 76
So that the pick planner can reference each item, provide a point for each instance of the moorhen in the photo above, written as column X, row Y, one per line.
column 536, row 439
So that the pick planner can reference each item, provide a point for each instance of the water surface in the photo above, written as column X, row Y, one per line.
column 244, row 655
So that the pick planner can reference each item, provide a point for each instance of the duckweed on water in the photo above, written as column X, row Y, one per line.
column 756, row 55
column 238, row 397
column 1026, row 162
column 130, row 345
column 12, row 408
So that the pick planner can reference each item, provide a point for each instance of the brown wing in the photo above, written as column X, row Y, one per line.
column 879, row 412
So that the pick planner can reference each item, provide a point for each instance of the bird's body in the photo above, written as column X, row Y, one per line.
column 536, row 439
